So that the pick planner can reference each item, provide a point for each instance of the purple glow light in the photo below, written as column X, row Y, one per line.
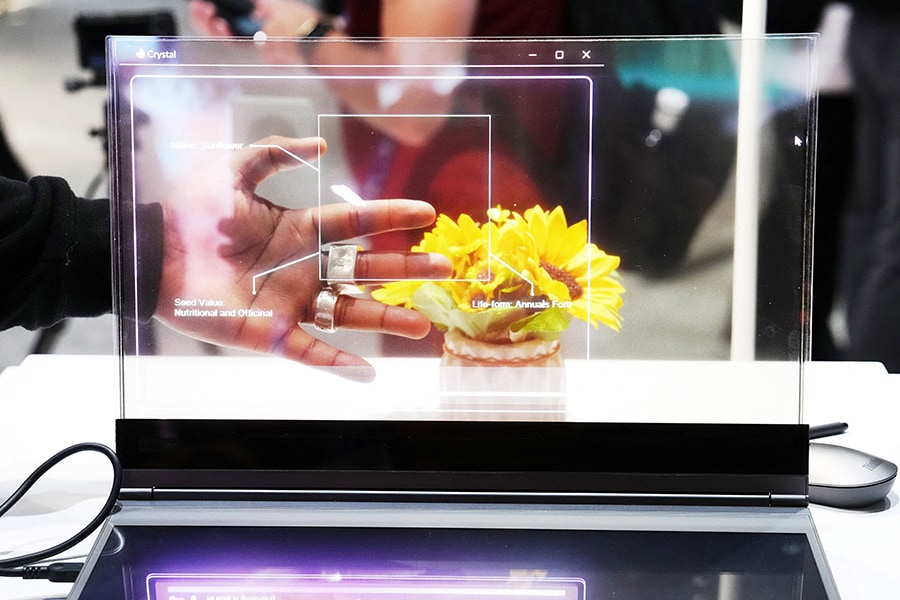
column 347, row 587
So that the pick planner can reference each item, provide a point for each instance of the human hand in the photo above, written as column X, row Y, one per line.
column 243, row 272
column 206, row 21
column 283, row 18
column 278, row 18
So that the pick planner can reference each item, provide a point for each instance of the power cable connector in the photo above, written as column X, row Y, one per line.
column 61, row 572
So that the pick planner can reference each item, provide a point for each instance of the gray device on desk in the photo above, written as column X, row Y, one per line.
column 250, row 476
column 847, row 478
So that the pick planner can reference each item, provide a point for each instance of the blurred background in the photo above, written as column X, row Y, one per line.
column 52, row 111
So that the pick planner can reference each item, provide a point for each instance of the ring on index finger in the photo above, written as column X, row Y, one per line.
column 341, row 268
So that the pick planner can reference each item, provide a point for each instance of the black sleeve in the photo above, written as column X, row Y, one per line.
column 55, row 253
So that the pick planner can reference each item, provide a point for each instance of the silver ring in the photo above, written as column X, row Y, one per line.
column 341, row 264
column 326, row 302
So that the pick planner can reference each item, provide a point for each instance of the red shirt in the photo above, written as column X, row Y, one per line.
column 453, row 170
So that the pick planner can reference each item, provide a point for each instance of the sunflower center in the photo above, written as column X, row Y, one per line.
column 564, row 277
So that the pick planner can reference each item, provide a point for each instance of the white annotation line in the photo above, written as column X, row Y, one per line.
column 510, row 267
column 279, row 267
column 288, row 152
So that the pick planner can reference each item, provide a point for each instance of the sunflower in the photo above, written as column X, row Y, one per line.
column 516, row 275
column 571, row 271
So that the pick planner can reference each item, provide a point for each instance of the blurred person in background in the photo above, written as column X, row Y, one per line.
column 441, row 160
column 437, row 159
column 871, row 240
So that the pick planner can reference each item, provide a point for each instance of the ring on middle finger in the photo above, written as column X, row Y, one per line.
column 326, row 304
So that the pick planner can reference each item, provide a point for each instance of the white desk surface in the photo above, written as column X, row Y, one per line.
column 51, row 402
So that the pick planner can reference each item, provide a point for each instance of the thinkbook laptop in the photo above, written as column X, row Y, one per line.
column 580, row 376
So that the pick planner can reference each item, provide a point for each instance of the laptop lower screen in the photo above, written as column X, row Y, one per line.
column 166, row 563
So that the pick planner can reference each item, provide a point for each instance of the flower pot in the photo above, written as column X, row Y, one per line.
column 462, row 351
column 506, row 381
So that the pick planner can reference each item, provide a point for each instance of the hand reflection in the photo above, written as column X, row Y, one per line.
column 240, row 271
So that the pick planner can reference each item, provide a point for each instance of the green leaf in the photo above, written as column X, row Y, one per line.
column 547, row 324
column 437, row 304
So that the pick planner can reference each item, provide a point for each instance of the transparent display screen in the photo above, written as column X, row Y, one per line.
column 621, row 233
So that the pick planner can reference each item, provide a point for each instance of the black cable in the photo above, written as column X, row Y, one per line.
column 109, row 505
column 829, row 429
column 59, row 572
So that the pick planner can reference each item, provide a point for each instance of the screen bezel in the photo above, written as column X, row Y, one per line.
column 641, row 463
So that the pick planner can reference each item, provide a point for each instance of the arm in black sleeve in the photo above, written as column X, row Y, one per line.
column 55, row 253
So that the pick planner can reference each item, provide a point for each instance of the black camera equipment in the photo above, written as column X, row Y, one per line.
column 91, row 31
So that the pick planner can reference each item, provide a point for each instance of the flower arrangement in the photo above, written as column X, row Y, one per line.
column 517, row 277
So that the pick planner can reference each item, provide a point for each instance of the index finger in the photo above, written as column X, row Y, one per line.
column 337, row 222
column 260, row 160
